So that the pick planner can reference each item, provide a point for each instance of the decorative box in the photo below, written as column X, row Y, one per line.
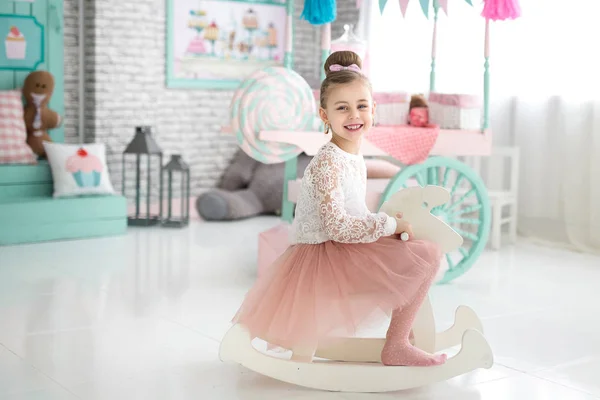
column 455, row 111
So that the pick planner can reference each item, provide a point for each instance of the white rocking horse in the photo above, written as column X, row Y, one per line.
column 354, row 364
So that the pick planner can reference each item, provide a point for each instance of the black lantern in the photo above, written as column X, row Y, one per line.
column 178, row 190
column 148, row 177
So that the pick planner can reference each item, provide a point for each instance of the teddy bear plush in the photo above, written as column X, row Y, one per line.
column 247, row 188
column 37, row 90
column 418, row 111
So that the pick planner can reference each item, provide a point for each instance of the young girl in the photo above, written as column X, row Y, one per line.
column 345, row 263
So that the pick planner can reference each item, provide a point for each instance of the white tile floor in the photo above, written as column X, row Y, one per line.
column 141, row 316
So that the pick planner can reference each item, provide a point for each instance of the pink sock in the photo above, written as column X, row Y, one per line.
column 397, row 349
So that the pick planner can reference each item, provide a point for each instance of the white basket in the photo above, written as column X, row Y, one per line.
column 455, row 111
column 391, row 114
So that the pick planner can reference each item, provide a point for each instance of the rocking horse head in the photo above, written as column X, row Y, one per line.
column 415, row 204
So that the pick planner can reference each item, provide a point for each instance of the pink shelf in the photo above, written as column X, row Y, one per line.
column 449, row 142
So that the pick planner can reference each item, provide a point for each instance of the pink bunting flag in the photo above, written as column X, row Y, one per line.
column 444, row 5
column 403, row 7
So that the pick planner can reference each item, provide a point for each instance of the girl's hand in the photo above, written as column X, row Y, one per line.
column 403, row 226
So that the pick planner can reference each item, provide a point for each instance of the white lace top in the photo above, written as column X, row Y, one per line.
column 332, row 202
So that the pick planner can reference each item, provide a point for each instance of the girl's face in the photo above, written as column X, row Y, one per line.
column 349, row 111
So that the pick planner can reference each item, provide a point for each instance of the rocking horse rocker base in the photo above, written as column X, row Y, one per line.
column 366, row 377
column 354, row 364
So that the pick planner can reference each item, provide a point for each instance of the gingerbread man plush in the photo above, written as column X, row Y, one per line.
column 37, row 90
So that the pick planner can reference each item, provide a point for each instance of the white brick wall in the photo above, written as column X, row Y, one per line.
column 125, row 85
column 71, row 40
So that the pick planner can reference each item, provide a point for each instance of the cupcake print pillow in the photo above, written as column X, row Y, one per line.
column 78, row 169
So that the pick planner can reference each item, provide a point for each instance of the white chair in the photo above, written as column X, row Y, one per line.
column 500, row 172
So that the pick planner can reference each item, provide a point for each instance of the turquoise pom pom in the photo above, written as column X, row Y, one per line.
column 319, row 12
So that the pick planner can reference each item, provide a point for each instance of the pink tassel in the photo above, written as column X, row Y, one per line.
column 501, row 9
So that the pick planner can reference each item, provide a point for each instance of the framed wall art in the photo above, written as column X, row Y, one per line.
column 215, row 44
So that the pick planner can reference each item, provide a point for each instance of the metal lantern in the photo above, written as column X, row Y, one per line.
column 178, row 190
column 148, row 177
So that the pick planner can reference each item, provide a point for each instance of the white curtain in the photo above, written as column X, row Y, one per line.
column 545, row 80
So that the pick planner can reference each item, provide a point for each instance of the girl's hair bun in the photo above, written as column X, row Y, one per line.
column 343, row 58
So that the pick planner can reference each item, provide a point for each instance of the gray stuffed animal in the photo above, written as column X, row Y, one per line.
column 247, row 188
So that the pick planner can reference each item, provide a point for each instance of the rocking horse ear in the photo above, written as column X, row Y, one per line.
column 410, row 194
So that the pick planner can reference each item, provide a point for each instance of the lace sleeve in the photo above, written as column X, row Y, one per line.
column 335, row 221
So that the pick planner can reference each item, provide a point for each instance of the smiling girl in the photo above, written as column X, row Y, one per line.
column 345, row 264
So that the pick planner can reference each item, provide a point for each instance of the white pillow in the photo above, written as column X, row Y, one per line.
column 78, row 169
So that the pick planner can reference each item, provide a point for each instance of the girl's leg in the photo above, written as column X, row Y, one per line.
column 397, row 349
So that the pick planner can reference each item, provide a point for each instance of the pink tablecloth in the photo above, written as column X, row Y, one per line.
column 408, row 144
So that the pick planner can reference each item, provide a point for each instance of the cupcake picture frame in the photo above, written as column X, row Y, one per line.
column 21, row 42
column 215, row 44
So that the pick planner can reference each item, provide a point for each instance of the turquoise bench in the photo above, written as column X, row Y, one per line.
column 29, row 213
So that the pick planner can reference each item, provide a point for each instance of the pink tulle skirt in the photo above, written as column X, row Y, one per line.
column 316, row 292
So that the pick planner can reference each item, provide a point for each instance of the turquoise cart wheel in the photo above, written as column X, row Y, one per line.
column 468, row 211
